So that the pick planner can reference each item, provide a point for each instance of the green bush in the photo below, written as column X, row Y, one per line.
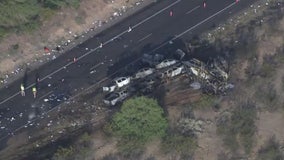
column 139, row 120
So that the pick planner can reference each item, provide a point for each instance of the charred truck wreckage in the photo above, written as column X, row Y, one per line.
column 212, row 78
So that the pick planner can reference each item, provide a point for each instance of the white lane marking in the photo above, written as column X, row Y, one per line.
column 138, row 24
column 192, row 10
column 208, row 18
column 91, row 51
column 45, row 95
column 95, row 66
column 143, row 21
column 147, row 36
column 193, row 27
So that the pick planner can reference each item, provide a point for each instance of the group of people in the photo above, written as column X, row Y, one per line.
column 23, row 90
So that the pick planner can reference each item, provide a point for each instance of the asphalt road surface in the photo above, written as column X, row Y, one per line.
column 152, row 29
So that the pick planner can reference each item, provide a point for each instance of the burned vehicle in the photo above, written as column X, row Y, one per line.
column 142, row 73
column 114, row 98
column 197, row 68
column 152, row 60
column 219, row 69
column 179, row 54
column 147, row 85
column 166, row 63
column 117, row 83
column 172, row 71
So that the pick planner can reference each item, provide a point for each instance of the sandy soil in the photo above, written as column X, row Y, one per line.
column 269, row 42
column 269, row 125
column 102, row 145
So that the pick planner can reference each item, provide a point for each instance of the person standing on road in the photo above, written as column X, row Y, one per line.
column 129, row 29
column 171, row 13
column 34, row 91
column 204, row 4
column 22, row 89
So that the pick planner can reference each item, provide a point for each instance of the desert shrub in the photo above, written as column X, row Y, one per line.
column 175, row 142
column 205, row 101
column 110, row 157
column 267, row 94
column 241, row 124
column 271, row 150
column 63, row 153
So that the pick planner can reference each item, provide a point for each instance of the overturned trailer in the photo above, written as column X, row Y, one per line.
column 197, row 68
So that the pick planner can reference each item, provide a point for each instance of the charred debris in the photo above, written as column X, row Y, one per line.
column 154, row 70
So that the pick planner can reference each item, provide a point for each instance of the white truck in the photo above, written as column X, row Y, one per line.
column 117, row 83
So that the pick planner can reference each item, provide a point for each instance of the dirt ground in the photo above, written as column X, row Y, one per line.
column 63, row 26
column 103, row 145
column 269, row 125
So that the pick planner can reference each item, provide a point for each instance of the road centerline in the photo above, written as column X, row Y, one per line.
column 145, row 37
column 195, row 8
column 191, row 28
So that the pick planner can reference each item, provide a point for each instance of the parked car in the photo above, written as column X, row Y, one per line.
column 166, row 63
column 144, row 72
column 117, row 83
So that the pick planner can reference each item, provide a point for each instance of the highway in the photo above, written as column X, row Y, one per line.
column 151, row 30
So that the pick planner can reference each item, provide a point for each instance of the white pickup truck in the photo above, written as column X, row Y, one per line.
column 117, row 83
